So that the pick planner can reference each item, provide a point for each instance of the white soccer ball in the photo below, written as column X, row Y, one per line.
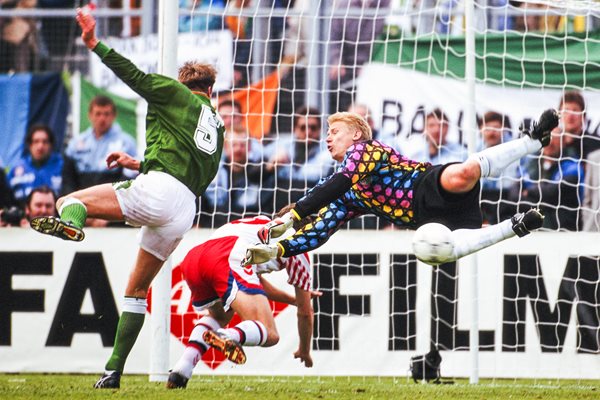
column 433, row 244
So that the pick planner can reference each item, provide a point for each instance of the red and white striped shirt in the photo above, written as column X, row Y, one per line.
column 297, row 267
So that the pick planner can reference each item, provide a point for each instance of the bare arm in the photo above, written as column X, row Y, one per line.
column 276, row 294
column 143, row 84
column 121, row 159
column 305, row 326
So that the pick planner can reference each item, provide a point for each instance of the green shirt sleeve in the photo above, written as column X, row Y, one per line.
column 143, row 84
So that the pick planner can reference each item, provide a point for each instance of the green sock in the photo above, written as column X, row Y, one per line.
column 75, row 213
column 128, row 329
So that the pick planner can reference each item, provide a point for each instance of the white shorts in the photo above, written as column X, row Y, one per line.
column 163, row 206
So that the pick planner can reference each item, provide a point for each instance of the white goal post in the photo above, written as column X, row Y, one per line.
column 161, row 300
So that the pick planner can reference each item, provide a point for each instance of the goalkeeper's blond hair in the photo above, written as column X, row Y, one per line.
column 354, row 121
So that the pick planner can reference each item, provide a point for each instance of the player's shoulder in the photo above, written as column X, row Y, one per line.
column 368, row 148
column 368, row 145
column 171, row 88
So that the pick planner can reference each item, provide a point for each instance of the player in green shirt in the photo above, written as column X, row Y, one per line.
column 184, row 139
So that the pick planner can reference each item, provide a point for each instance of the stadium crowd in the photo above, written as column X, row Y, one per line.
column 261, row 175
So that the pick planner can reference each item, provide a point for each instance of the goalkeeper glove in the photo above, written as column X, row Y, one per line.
column 275, row 228
column 260, row 253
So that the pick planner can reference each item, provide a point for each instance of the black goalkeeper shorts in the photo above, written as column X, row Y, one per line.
column 433, row 204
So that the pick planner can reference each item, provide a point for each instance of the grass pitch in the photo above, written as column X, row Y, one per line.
column 73, row 387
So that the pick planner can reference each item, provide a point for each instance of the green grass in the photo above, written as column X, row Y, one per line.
column 73, row 387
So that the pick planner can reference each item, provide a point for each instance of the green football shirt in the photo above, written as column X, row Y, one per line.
column 184, row 134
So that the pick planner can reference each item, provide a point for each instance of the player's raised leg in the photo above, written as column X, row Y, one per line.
column 258, row 326
column 493, row 160
column 468, row 241
column 462, row 177
column 97, row 201
column 256, row 329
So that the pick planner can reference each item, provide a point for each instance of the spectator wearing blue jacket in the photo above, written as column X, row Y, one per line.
column 40, row 166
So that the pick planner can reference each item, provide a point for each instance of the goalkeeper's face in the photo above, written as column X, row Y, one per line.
column 339, row 137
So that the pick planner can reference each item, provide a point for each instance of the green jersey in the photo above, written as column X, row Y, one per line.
column 184, row 134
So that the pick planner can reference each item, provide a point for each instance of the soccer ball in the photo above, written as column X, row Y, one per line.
column 432, row 243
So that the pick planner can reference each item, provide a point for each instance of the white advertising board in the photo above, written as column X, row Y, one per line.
column 59, row 302
column 400, row 98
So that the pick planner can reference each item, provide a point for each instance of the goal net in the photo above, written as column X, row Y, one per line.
column 402, row 64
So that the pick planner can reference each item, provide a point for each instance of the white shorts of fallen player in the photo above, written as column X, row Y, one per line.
column 163, row 206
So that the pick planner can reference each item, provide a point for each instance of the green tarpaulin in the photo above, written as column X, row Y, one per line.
column 511, row 59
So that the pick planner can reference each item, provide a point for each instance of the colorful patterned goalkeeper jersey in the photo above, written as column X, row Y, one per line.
column 382, row 184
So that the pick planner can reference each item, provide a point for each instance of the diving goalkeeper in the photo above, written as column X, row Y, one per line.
column 375, row 179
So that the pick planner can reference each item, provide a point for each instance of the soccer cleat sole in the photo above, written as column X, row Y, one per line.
column 55, row 227
column 232, row 350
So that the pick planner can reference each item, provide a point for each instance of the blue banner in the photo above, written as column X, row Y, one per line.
column 14, row 108
column 27, row 99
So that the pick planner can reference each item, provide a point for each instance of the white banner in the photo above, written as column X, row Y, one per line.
column 400, row 98
column 59, row 303
column 212, row 47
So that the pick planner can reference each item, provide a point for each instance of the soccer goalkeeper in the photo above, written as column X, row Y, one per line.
column 184, row 141
column 374, row 179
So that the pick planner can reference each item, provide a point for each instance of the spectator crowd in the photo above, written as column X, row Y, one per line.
column 261, row 176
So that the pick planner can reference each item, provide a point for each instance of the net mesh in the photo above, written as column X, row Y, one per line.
column 401, row 64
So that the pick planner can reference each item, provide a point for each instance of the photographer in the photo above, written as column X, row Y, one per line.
column 11, row 216
column 40, row 202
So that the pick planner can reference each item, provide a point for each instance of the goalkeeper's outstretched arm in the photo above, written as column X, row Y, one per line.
column 309, row 237
column 318, row 232
column 322, row 194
